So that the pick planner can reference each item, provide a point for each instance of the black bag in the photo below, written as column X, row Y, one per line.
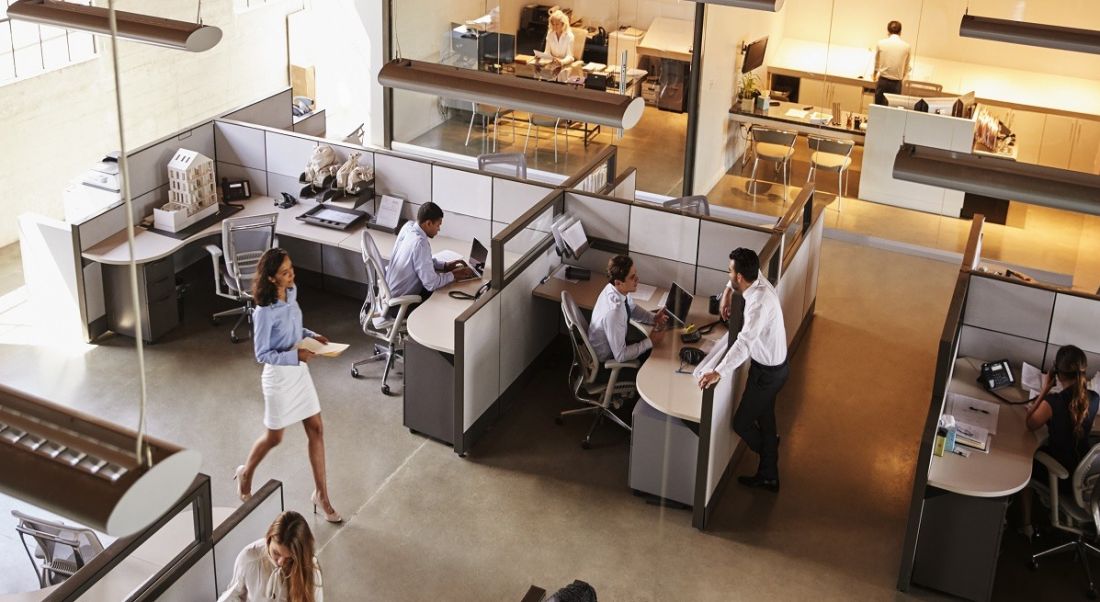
column 578, row 591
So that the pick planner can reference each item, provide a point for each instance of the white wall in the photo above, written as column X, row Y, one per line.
column 932, row 26
column 58, row 124
column 718, row 144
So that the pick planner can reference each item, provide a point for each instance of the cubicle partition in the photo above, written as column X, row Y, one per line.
column 992, row 316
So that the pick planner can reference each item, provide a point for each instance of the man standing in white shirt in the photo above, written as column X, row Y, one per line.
column 412, row 269
column 614, row 310
column 893, row 61
column 763, row 341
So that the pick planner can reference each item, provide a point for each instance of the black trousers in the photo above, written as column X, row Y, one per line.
column 754, row 420
column 885, row 85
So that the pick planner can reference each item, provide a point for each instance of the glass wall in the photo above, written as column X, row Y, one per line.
column 508, row 37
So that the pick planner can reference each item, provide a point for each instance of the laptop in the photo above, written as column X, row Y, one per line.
column 476, row 261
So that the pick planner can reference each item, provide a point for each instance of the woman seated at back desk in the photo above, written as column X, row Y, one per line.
column 559, row 39
column 1068, row 416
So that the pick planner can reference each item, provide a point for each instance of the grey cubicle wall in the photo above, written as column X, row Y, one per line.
column 247, row 524
column 625, row 186
column 273, row 111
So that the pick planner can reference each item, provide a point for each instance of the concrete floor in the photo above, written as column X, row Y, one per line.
column 528, row 505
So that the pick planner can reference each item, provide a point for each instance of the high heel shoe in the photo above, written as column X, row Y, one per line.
column 332, row 518
column 244, row 495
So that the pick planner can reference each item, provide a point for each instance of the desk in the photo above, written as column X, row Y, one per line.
column 776, row 116
column 962, row 519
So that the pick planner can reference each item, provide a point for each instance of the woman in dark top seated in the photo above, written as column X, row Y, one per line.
column 1068, row 416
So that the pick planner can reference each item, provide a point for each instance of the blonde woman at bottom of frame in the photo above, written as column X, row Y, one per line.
column 280, row 566
column 289, row 394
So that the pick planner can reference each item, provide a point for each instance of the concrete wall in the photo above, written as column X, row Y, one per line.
column 932, row 26
column 718, row 144
column 58, row 124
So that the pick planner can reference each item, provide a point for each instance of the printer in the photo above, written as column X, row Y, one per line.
column 99, row 189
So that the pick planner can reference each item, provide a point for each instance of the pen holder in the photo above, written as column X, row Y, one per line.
column 713, row 306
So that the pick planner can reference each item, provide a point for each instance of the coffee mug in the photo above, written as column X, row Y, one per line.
column 714, row 302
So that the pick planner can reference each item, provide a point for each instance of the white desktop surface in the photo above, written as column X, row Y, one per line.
column 1003, row 471
column 658, row 382
column 432, row 323
column 846, row 64
column 669, row 39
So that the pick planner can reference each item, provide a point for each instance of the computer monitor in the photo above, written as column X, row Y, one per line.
column 497, row 48
column 944, row 105
column 569, row 236
column 678, row 303
column 901, row 100
column 478, row 255
column 754, row 54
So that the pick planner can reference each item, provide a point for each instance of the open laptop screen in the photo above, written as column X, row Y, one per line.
column 678, row 303
column 478, row 255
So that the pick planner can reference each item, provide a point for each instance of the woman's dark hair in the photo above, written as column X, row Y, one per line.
column 618, row 268
column 1070, row 363
column 292, row 531
column 264, row 291
column 429, row 212
column 745, row 262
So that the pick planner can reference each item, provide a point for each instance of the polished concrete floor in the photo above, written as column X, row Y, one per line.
column 528, row 505
column 655, row 146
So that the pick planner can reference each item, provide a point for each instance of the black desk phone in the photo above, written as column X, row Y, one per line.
column 996, row 375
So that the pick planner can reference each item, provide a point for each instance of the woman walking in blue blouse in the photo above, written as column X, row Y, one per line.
column 289, row 394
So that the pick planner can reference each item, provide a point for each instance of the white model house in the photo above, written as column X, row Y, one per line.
column 191, row 191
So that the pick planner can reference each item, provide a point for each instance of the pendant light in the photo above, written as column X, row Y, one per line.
column 85, row 469
column 999, row 178
column 170, row 33
column 1030, row 34
column 768, row 5
column 547, row 98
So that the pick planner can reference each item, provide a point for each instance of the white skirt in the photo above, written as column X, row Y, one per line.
column 289, row 395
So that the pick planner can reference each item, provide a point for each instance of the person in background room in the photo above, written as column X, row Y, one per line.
column 893, row 61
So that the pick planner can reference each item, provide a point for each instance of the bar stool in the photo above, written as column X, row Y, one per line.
column 544, row 121
column 831, row 154
column 487, row 113
column 776, row 146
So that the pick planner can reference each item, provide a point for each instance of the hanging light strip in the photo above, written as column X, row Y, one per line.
column 768, row 5
column 545, row 98
column 84, row 468
column 999, row 178
column 1030, row 34
column 169, row 33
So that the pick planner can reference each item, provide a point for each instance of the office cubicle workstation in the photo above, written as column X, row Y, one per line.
column 958, row 504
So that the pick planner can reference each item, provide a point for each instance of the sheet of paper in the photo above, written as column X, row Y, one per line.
column 560, row 274
column 644, row 292
column 329, row 350
column 796, row 113
column 976, row 412
column 447, row 256
column 389, row 211
column 1031, row 378
column 574, row 237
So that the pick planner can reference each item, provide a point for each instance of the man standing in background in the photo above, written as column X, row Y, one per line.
column 893, row 61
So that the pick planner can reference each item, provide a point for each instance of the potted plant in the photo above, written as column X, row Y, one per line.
column 749, row 91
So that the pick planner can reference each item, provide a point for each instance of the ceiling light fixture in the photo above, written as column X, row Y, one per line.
column 560, row 100
column 768, row 5
column 999, row 178
column 182, row 35
column 1030, row 34
column 85, row 469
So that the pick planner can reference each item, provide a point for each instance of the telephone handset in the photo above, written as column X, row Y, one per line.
column 995, row 375
column 467, row 296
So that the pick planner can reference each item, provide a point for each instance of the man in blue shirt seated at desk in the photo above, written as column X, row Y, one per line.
column 613, row 312
column 412, row 269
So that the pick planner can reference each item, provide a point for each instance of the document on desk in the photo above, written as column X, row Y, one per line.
column 797, row 113
column 447, row 256
column 560, row 274
column 976, row 412
column 644, row 292
column 1031, row 379
column 329, row 349
column 972, row 436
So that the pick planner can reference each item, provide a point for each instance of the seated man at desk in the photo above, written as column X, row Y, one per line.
column 412, row 269
column 613, row 312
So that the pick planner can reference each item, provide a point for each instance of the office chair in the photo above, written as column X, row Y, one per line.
column 776, row 146
column 692, row 205
column 59, row 549
column 544, row 121
column 488, row 113
column 506, row 163
column 586, row 382
column 373, row 316
column 1078, row 515
column 830, row 154
column 244, row 240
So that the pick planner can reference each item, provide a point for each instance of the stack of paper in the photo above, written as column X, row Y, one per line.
column 972, row 436
column 328, row 350
column 976, row 412
column 1031, row 378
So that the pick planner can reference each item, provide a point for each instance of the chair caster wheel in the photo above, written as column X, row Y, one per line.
column 355, row 372
column 214, row 321
column 233, row 338
column 385, row 389
column 586, row 445
column 1033, row 565
column 558, row 421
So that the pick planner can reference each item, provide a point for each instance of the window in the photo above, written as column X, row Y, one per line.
column 28, row 49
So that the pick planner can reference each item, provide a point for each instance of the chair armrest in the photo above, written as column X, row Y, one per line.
column 404, row 300
column 612, row 364
column 215, row 257
column 214, row 251
column 1053, row 466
